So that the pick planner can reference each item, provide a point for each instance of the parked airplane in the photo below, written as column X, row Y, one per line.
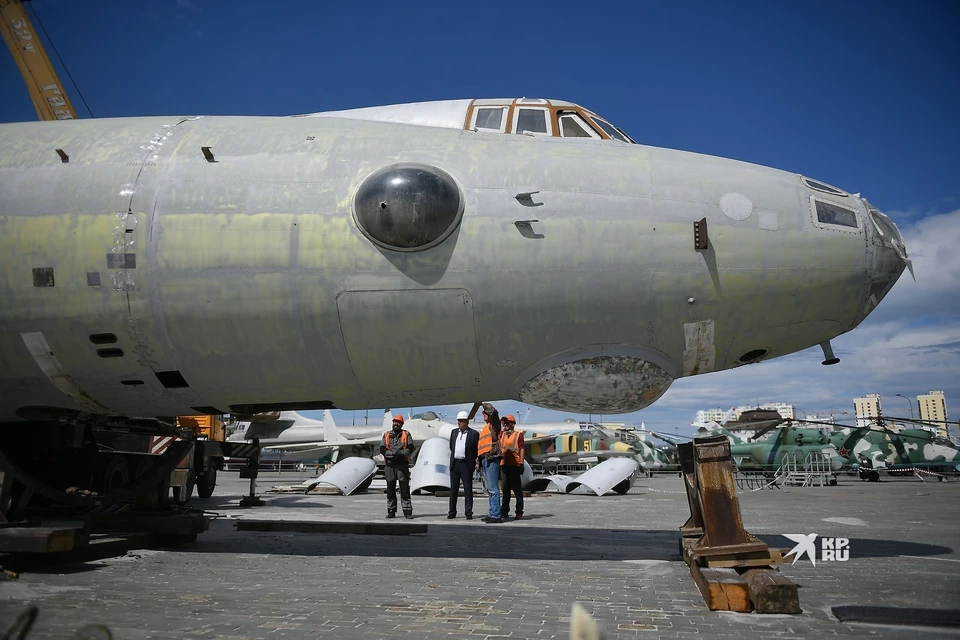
column 518, row 248
column 589, row 445
column 289, row 427
column 337, row 444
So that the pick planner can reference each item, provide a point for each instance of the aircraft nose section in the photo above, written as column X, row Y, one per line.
column 886, row 257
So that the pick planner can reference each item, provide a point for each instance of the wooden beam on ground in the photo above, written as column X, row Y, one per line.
column 19, row 523
column 97, row 549
column 168, row 524
column 362, row 528
column 41, row 539
column 771, row 591
column 722, row 589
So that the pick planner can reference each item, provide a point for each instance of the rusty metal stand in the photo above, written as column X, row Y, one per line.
column 251, row 471
column 733, row 569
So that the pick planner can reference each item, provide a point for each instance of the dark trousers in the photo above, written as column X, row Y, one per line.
column 461, row 472
column 398, row 473
column 511, row 484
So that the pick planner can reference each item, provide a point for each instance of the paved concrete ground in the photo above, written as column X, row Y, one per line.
column 616, row 555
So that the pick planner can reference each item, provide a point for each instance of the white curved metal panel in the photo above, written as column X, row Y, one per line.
column 542, row 483
column 619, row 473
column 432, row 470
column 527, row 475
column 346, row 475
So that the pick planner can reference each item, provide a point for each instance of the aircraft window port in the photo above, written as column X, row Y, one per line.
column 883, row 225
column 822, row 186
column 532, row 121
column 490, row 118
column 750, row 356
column 110, row 353
column 612, row 131
column 131, row 383
column 828, row 213
column 43, row 277
column 573, row 126
column 408, row 206
column 103, row 338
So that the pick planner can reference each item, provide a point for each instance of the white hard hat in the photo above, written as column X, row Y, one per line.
column 463, row 415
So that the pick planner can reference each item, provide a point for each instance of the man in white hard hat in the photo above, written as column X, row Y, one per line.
column 463, row 459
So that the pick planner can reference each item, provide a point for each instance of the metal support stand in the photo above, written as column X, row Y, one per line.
column 693, row 527
column 723, row 534
column 732, row 568
column 251, row 471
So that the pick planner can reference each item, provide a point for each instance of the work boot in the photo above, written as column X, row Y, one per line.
column 519, row 516
column 391, row 514
column 493, row 520
column 408, row 516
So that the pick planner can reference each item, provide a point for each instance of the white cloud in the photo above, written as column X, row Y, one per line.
column 933, row 244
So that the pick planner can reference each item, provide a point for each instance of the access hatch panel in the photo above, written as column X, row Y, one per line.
column 406, row 340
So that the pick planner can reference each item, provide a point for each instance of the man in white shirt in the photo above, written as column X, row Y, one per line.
column 463, row 459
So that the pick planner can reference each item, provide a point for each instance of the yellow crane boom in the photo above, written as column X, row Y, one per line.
column 46, row 90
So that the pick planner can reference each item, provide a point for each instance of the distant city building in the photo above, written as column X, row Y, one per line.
column 867, row 407
column 933, row 406
column 706, row 416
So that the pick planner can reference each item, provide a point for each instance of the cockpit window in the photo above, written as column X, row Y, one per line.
column 612, row 131
column 822, row 186
column 829, row 213
column 490, row 118
column 532, row 121
column 573, row 126
column 884, row 226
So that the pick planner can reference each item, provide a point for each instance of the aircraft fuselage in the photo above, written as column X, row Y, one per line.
column 147, row 276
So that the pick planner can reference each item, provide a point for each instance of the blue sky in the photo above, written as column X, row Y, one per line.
column 863, row 95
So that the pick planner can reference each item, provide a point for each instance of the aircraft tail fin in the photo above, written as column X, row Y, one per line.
column 330, row 431
column 387, row 420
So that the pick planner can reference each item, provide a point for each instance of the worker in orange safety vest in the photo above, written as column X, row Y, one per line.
column 397, row 450
column 488, row 450
column 512, row 447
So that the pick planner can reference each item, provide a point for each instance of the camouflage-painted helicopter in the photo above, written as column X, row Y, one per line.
column 591, row 443
column 768, row 455
column 876, row 448
column 866, row 450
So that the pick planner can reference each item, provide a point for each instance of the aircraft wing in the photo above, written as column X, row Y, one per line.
column 606, row 453
column 304, row 446
column 538, row 438
column 325, row 445
column 668, row 439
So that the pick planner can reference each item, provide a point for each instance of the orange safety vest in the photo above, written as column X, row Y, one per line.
column 485, row 445
column 512, row 454
column 404, row 438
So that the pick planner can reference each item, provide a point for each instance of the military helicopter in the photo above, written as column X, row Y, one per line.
column 865, row 450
